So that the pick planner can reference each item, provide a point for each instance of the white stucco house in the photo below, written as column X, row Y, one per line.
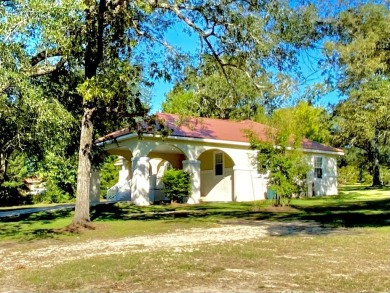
column 216, row 152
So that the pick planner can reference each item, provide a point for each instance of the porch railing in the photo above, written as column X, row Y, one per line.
column 119, row 192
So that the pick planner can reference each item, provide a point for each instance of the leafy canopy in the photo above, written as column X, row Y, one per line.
column 360, row 51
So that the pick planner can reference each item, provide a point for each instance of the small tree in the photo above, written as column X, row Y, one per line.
column 286, row 167
column 177, row 184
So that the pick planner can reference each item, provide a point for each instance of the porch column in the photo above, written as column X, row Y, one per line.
column 193, row 167
column 94, row 196
column 140, row 181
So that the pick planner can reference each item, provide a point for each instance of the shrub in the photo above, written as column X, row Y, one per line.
column 366, row 178
column 348, row 175
column 385, row 175
column 52, row 194
column 177, row 184
column 11, row 196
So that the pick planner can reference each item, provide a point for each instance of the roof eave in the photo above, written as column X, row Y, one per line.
column 204, row 140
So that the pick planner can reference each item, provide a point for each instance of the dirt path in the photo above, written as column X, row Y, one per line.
column 181, row 240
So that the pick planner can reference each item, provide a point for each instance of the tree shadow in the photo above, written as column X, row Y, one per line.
column 373, row 213
column 347, row 188
column 329, row 216
column 23, row 227
column 320, row 219
column 128, row 211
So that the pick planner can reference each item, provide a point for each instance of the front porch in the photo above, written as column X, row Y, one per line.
column 216, row 175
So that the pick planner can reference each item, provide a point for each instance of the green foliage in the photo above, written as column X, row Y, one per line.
column 17, row 171
column 360, row 45
column 352, row 174
column 179, row 101
column 360, row 51
column 177, row 184
column 280, row 157
column 109, row 174
column 61, row 173
column 285, row 168
column 385, row 176
column 209, row 94
column 11, row 196
column 362, row 122
column 348, row 175
column 254, row 64
column 52, row 194
column 365, row 177
column 302, row 120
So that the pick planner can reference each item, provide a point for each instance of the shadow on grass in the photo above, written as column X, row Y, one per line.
column 29, row 227
column 348, row 188
column 372, row 213
column 124, row 211
column 325, row 212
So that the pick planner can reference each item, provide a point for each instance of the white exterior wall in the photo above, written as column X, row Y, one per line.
column 248, row 185
column 327, row 185
column 217, row 188
column 242, row 183
column 248, row 189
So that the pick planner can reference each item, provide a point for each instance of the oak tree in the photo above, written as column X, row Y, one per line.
column 360, row 47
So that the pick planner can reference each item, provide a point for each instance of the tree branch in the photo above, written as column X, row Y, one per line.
column 44, row 55
column 151, row 37
column 44, row 70
column 176, row 10
column 99, row 55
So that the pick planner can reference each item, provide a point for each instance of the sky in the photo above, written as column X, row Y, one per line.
column 175, row 37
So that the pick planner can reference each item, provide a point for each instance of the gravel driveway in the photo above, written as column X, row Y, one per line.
column 180, row 240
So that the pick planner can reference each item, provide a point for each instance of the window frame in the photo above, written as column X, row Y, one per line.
column 318, row 170
column 222, row 163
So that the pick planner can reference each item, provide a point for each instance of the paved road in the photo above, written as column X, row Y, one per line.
column 23, row 211
column 15, row 212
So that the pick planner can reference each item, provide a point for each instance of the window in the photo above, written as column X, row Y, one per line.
column 218, row 164
column 318, row 167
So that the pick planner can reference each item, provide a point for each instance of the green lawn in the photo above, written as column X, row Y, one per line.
column 355, row 206
column 352, row 256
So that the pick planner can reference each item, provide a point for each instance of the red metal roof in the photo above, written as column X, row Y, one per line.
column 218, row 129
column 208, row 128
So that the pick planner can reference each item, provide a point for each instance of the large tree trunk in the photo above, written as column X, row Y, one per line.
column 93, row 57
column 3, row 167
column 81, row 216
column 376, row 181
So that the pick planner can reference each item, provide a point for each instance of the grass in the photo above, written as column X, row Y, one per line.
column 355, row 206
column 352, row 257
column 332, row 263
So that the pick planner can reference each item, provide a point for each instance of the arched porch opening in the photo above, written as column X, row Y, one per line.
column 216, row 176
column 162, row 158
column 121, row 190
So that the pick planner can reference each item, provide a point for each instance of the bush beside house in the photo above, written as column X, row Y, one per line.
column 177, row 185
